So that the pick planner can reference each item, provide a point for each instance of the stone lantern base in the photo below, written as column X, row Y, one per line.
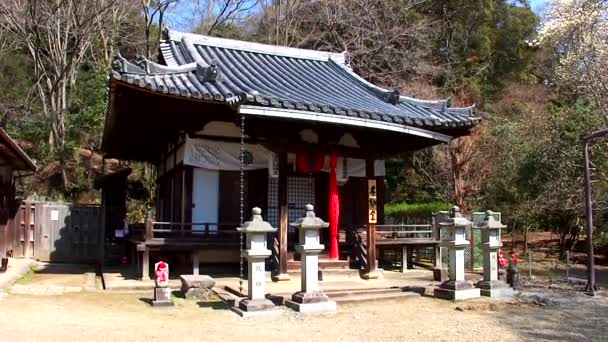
column 252, row 308
column 495, row 288
column 311, row 302
column 456, row 290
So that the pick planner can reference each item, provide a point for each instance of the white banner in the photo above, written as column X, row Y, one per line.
column 220, row 155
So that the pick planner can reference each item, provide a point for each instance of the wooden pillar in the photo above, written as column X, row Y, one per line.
column 283, row 217
column 405, row 259
column 437, row 258
column 145, row 264
column 370, row 269
column 149, row 233
column 195, row 262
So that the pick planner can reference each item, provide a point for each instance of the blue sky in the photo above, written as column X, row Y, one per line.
column 537, row 5
column 182, row 15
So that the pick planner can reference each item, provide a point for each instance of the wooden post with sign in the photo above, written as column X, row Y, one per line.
column 283, row 218
column 372, row 202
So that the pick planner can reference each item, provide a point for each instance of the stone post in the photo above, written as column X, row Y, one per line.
column 456, row 287
column 491, row 286
column 310, row 298
column 256, row 303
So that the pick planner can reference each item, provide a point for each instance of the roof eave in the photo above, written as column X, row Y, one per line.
column 12, row 145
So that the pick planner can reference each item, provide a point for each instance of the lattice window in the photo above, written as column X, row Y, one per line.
column 272, row 216
column 300, row 192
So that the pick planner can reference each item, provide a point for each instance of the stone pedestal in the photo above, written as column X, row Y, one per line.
column 310, row 298
column 3, row 265
column 491, row 286
column 256, row 304
column 456, row 288
column 513, row 277
column 197, row 286
column 162, row 297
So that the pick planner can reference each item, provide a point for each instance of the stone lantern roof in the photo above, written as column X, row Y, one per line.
column 456, row 219
column 310, row 220
column 257, row 224
column 490, row 222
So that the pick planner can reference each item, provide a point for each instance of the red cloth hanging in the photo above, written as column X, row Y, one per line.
column 334, row 207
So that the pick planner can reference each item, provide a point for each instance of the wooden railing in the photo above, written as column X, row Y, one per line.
column 190, row 230
column 404, row 232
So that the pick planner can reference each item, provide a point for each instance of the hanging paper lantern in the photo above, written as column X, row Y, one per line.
column 309, row 161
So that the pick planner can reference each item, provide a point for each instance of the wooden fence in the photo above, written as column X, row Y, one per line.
column 51, row 232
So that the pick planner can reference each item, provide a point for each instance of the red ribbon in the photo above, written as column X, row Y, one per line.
column 334, row 207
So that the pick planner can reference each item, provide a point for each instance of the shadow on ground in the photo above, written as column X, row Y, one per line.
column 58, row 268
column 146, row 300
column 214, row 305
column 582, row 319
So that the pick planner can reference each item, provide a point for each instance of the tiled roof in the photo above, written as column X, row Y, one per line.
column 238, row 72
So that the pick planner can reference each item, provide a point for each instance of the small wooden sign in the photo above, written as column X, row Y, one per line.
column 372, row 195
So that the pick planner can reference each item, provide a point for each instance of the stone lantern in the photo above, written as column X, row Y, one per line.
column 456, row 287
column 310, row 298
column 256, row 303
column 490, row 236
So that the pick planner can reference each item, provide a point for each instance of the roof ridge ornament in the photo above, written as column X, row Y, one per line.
column 118, row 62
column 348, row 59
column 165, row 33
column 210, row 73
column 392, row 97
column 143, row 63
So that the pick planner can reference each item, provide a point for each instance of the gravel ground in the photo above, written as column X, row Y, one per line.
column 546, row 310
column 103, row 316
column 89, row 316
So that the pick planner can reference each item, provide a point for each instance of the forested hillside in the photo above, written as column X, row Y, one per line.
column 539, row 83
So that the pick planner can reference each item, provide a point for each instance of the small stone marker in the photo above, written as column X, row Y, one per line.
column 311, row 298
column 456, row 287
column 256, row 304
column 196, row 286
column 491, row 286
column 162, row 292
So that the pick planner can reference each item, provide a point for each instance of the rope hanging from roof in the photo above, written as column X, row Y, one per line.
column 242, row 201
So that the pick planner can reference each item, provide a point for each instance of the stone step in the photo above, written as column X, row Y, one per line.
column 226, row 296
column 294, row 266
column 373, row 291
column 370, row 297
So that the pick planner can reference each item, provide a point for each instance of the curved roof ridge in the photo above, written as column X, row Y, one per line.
column 383, row 93
column 147, row 67
column 437, row 104
column 365, row 82
column 277, row 50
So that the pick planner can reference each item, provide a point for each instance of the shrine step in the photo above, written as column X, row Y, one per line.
column 368, row 295
column 377, row 290
column 227, row 296
column 324, row 265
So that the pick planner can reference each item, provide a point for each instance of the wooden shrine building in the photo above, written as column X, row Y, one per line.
column 14, row 163
column 296, row 121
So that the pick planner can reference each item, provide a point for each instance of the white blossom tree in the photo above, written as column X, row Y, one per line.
column 576, row 31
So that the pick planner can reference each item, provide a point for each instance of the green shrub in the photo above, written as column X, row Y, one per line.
column 417, row 210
